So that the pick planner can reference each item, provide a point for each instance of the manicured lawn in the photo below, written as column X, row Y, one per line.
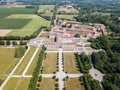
column 7, row 60
column 73, row 84
column 69, row 17
column 17, row 84
column 70, row 64
column 33, row 64
column 49, row 64
column 47, row 84
column 25, row 61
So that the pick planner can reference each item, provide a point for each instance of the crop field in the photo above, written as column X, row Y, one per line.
column 47, row 84
column 70, row 64
column 72, row 11
column 46, row 10
column 32, row 21
column 17, row 84
column 49, row 64
column 13, row 23
column 73, row 84
column 22, row 21
column 69, row 17
column 4, row 32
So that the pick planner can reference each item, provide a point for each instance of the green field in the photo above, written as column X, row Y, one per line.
column 69, row 17
column 29, row 28
column 4, row 12
column 17, row 84
column 43, row 8
column 25, row 61
column 13, row 23
column 23, row 21
column 46, row 10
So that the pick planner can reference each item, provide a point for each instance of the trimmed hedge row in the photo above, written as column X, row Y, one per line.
column 33, row 81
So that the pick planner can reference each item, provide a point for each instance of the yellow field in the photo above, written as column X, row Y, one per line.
column 7, row 60
column 49, row 64
column 17, row 84
column 25, row 61
column 33, row 64
column 70, row 64
column 47, row 84
column 73, row 84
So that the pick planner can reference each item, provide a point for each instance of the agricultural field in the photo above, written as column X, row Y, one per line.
column 33, row 64
column 46, row 10
column 62, row 10
column 47, row 83
column 7, row 63
column 73, row 86
column 70, row 65
column 13, row 23
column 68, row 17
column 22, row 21
column 17, row 84
column 4, row 32
column 49, row 63
column 25, row 61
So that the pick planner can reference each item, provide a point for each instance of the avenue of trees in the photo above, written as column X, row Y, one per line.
column 35, row 77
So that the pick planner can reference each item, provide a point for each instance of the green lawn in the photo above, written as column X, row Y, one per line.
column 70, row 17
column 25, row 61
column 17, row 84
column 33, row 64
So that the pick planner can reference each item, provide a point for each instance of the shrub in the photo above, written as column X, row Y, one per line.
column 19, row 52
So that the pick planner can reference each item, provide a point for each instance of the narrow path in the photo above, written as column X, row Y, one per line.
column 9, row 76
column 31, row 60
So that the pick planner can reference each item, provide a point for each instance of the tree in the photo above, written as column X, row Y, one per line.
column 8, row 42
column 77, row 35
